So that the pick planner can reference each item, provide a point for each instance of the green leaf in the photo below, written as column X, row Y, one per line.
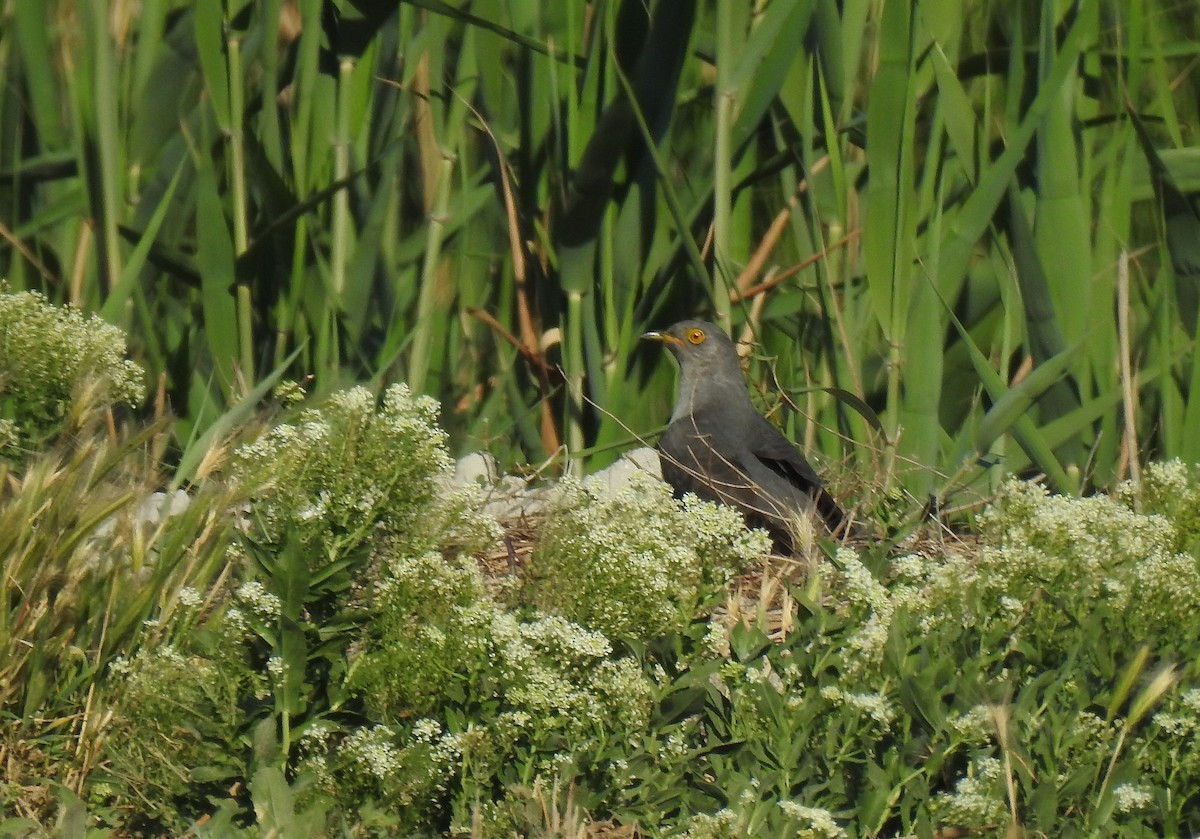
column 136, row 261
column 274, row 803
column 209, row 32
column 215, row 261
column 198, row 448
column 1017, row 401
column 1026, row 434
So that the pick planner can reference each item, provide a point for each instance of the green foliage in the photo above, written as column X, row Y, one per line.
column 276, row 187
column 637, row 564
column 327, row 491
column 923, row 206
column 52, row 354
column 352, row 470
column 88, row 553
column 358, row 671
column 177, row 729
column 226, row 701
column 501, row 700
column 1010, row 685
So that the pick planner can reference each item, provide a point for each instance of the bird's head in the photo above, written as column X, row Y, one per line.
column 710, row 371
column 698, row 345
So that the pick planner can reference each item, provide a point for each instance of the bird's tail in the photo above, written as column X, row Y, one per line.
column 831, row 513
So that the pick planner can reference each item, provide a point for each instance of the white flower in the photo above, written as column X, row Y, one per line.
column 874, row 705
column 861, row 585
column 190, row 598
column 253, row 594
column 976, row 725
column 909, row 566
column 817, row 821
column 373, row 750
column 971, row 803
column 1130, row 798
column 426, row 730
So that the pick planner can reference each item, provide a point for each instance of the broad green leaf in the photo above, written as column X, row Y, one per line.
column 136, row 261
column 215, row 262
column 1017, row 401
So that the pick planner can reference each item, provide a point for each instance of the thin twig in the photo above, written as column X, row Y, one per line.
column 765, row 286
column 1128, row 393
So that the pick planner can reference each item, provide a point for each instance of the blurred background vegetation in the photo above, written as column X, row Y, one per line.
column 959, row 232
column 960, row 236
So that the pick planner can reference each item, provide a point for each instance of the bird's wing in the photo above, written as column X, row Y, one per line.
column 715, row 467
column 693, row 460
column 705, row 460
column 768, row 445
column 768, row 481
column 770, row 448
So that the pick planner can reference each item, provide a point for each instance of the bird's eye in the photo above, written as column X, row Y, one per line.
column 695, row 336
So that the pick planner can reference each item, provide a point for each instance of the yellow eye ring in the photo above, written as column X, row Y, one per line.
column 695, row 336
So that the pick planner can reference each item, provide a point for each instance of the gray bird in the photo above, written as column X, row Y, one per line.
column 719, row 447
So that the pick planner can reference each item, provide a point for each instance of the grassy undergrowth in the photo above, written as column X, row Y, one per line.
column 311, row 645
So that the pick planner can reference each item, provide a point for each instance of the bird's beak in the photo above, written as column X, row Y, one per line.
column 661, row 337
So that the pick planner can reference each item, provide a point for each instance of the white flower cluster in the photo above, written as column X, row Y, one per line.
column 446, row 754
column 1095, row 731
column 1183, row 720
column 716, row 640
column 1089, row 530
column 713, row 525
column 235, row 623
column 47, row 351
column 859, row 586
column 190, row 598
column 313, row 752
column 1172, row 489
column 1084, row 549
column 722, row 824
column 255, row 596
column 566, row 642
column 914, row 576
column 1130, row 798
column 426, row 730
column 874, row 705
column 560, row 673
column 635, row 562
column 974, row 801
column 546, row 673
column 429, row 584
column 153, row 667
column 976, row 726
column 817, row 823
column 374, row 751
column 676, row 746
column 342, row 470
column 405, row 769
column 407, row 416
column 911, row 568
column 1094, row 548
column 1172, row 479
